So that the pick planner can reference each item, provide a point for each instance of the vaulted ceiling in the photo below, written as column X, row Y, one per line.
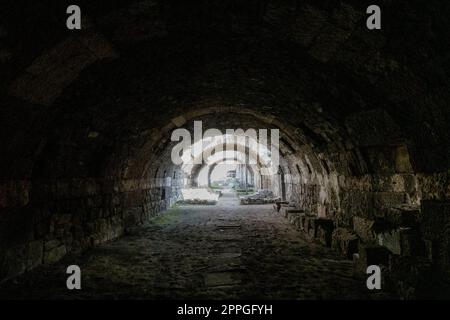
column 83, row 103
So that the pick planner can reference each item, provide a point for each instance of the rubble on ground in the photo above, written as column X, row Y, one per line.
column 262, row 196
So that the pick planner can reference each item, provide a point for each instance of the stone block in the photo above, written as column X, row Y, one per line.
column 401, row 240
column 309, row 226
column 285, row 208
column 435, row 227
column 357, row 203
column 364, row 228
column 391, row 240
column 293, row 215
column 345, row 242
column 402, row 160
column 384, row 200
column 279, row 204
column 403, row 216
column 324, row 231
column 297, row 220
column 304, row 220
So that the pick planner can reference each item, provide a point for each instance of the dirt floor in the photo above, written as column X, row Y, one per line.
column 202, row 252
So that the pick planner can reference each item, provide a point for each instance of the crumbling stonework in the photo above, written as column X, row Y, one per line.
column 86, row 120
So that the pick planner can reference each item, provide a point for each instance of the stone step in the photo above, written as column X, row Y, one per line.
column 308, row 226
column 399, row 240
column 285, row 208
column 403, row 241
column 278, row 205
column 294, row 215
column 292, row 212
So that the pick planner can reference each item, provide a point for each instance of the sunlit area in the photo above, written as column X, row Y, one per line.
column 220, row 174
column 199, row 196
column 236, row 163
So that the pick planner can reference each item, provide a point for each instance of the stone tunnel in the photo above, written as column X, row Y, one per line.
column 363, row 116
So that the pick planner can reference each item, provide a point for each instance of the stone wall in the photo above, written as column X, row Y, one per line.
column 398, row 221
column 369, row 196
column 41, row 222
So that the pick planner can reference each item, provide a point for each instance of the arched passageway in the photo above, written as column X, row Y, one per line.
column 363, row 118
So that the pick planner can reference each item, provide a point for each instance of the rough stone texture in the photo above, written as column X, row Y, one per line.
column 50, row 73
column 392, row 240
column 345, row 242
column 435, row 227
column 385, row 200
column 364, row 228
column 86, row 118
column 75, row 214
column 413, row 278
column 297, row 220
column 226, row 251
column 324, row 231
column 404, row 216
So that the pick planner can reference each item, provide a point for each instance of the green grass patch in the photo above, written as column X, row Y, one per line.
column 167, row 217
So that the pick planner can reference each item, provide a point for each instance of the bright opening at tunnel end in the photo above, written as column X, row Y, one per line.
column 188, row 149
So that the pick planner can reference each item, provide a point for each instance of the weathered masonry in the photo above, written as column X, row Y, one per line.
column 86, row 118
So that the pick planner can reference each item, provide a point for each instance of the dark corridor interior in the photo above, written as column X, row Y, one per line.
column 87, row 177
